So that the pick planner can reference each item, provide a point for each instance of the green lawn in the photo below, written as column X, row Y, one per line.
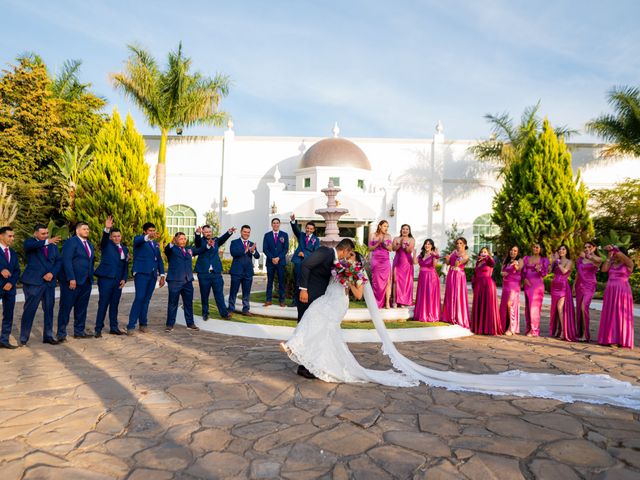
column 261, row 297
column 279, row 322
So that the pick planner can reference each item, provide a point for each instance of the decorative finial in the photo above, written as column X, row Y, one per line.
column 335, row 130
column 276, row 175
column 439, row 127
column 230, row 124
column 302, row 147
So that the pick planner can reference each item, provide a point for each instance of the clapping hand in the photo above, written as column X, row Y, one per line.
column 5, row 273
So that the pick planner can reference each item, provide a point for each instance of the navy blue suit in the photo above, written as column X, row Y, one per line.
column 209, row 270
column 36, row 289
column 241, row 273
column 113, row 268
column 76, row 265
column 180, row 281
column 8, row 296
column 147, row 264
column 273, row 248
column 307, row 247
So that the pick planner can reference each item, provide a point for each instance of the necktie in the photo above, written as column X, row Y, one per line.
column 184, row 254
column 306, row 242
column 275, row 238
column 245, row 244
column 120, row 251
column 86, row 247
column 45, row 250
column 6, row 254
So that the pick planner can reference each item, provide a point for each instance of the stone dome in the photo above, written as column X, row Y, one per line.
column 335, row 152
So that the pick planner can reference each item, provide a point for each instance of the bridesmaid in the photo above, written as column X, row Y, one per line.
column 404, row 246
column 535, row 268
column 616, row 321
column 427, row 307
column 563, row 322
column 485, row 314
column 510, row 301
column 380, row 245
column 585, row 285
column 456, row 301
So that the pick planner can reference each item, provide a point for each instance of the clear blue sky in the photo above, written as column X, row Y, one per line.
column 380, row 68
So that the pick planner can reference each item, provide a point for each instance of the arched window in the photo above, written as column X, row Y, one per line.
column 181, row 218
column 483, row 230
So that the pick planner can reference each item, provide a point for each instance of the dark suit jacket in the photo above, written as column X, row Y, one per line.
column 146, row 256
column 111, row 265
column 180, row 265
column 13, row 266
column 38, row 265
column 274, row 249
column 303, row 246
column 209, row 257
column 242, row 264
column 315, row 272
column 76, row 264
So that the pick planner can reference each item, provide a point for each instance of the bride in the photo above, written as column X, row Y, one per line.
column 318, row 345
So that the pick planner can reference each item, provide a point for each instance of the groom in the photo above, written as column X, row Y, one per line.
column 315, row 274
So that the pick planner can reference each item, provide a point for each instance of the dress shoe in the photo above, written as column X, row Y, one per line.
column 168, row 329
column 293, row 304
column 144, row 328
column 84, row 335
column 22, row 344
column 282, row 304
column 248, row 314
column 205, row 317
column 117, row 332
column 98, row 335
column 8, row 345
column 195, row 328
column 51, row 341
column 303, row 372
column 131, row 332
column 267, row 304
column 227, row 317
column 62, row 339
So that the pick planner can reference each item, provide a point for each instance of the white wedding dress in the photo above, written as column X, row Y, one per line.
column 317, row 343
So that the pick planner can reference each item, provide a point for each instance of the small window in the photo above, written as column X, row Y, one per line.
column 335, row 180
column 307, row 182
column 361, row 184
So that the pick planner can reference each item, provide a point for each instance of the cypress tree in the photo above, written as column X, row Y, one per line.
column 117, row 183
column 541, row 200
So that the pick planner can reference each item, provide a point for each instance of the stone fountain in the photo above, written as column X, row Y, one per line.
column 331, row 213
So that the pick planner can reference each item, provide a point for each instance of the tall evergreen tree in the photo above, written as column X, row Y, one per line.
column 541, row 200
column 117, row 183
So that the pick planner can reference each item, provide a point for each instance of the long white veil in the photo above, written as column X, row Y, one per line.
column 567, row 388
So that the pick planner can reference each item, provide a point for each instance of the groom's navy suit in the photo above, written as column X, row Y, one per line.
column 113, row 268
column 275, row 246
column 315, row 274
column 180, row 281
column 209, row 270
column 306, row 245
column 241, row 273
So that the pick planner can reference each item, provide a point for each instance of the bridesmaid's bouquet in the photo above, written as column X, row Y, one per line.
column 349, row 272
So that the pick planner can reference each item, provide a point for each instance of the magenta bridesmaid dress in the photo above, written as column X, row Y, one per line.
column 456, row 300
column 534, row 293
column 585, row 287
column 380, row 272
column 616, row 320
column 427, row 308
column 510, row 301
column 403, row 275
column 485, row 314
column 564, row 327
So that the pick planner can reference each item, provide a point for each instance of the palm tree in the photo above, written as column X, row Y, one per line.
column 66, row 85
column 67, row 170
column 622, row 128
column 171, row 99
column 507, row 140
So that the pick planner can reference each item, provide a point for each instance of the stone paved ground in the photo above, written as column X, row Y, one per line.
column 198, row 405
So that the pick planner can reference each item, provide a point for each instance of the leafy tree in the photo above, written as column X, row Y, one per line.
column 8, row 206
column 171, row 99
column 118, row 183
column 452, row 235
column 621, row 128
column 617, row 209
column 67, row 170
column 211, row 218
column 540, row 200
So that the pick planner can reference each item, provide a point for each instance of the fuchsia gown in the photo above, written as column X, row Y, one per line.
column 616, row 320
column 534, row 293
column 427, row 307
column 403, row 274
column 585, row 287
column 510, row 317
column 456, row 300
column 485, row 315
column 380, row 272
column 564, row 327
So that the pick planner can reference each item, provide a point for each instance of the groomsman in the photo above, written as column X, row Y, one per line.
column 9, row 275
column 209, row 269
column 112, row 275
column 275, row 246
column 39, row 282
column 242, row 251
column 147, row 265
column 308, row 243
column 180, row 280
column 76, row 278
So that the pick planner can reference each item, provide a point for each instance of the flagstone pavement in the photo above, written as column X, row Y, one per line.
column 198, row 405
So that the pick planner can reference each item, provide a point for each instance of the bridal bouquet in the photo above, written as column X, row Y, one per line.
column 347, row 272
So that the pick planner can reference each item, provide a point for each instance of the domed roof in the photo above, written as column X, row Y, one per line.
column 335, row 152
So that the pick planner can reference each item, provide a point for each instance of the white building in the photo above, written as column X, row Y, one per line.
column 428, row 183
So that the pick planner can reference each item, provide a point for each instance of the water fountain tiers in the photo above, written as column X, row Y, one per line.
column 331, row 214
